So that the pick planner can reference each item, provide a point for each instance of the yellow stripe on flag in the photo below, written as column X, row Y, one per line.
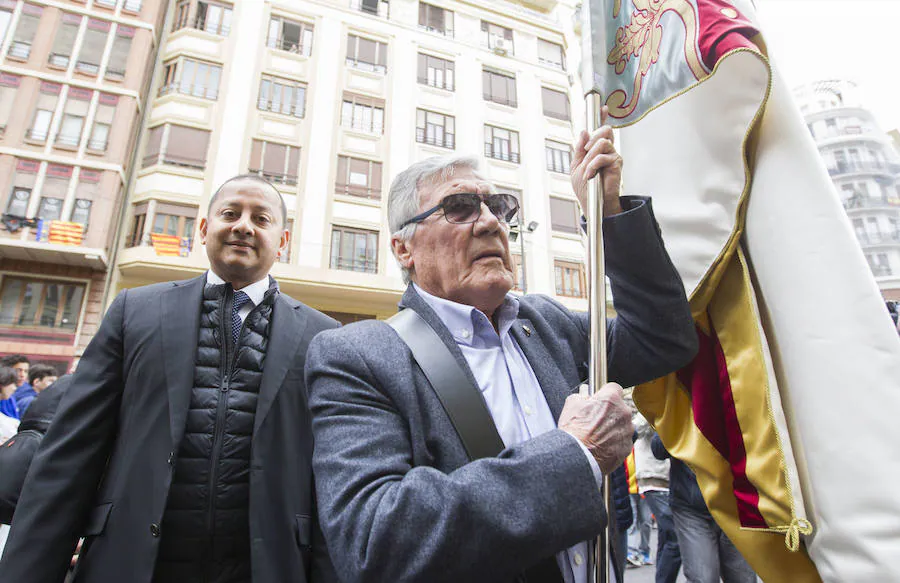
column 166, row 245
column 65, row 233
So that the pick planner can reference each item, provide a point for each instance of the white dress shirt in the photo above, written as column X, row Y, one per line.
column 255, row 291
column 510, row 389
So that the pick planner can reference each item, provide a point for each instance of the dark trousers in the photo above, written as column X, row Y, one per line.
column 668, row 557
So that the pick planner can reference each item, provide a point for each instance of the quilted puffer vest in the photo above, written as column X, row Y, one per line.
column 205, row 528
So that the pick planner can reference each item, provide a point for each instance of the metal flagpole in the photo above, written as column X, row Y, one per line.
column 597, row 306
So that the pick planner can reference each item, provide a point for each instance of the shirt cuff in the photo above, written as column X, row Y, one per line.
column 629, row 204
column 595, row 468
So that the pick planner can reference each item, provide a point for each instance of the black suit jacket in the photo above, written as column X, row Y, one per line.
column 106, row 463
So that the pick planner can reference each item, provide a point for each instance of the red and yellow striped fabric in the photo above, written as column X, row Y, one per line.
column 65, row 233
column 166, row 245
column 629, row 473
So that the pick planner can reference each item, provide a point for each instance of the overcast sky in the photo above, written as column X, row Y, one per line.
column 858, row 40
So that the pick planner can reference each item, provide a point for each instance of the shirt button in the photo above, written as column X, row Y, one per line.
column 465, row 333
column 154, row 529
column 171, row 459
column 528, row 410
column 579, row 560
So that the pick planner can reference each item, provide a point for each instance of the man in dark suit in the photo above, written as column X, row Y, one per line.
column 400, row 499
column 181, row 451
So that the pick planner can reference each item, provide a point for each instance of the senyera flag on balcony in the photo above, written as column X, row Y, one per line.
column 789, row 318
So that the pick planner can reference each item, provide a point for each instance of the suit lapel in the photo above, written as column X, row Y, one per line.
column 287, row 331
column 551, row 379
column 180, row 308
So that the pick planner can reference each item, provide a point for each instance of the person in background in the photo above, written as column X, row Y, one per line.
column 20, row 364
column 40, row 376
column 706, row 552
column 9, row 413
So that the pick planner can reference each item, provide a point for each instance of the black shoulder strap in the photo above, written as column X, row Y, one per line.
column 461, row 399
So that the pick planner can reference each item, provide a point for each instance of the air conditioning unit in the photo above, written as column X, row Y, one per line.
column 499, row 45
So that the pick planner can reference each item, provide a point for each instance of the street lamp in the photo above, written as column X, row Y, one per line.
column 517, row 233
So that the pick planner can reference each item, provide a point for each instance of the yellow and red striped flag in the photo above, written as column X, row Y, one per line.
column 166, row 245
column 787, row 312
column 65, row 233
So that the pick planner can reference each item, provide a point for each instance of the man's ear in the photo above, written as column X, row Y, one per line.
column 285, row 243
column 402, row 251
column 204, row 224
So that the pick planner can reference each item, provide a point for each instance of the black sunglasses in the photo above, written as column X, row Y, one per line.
column 465, row 207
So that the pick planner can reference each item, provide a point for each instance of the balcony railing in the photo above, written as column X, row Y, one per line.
column 850, row 167
column 87, row 67
column 859, row 201
column 19, row 49
column 115, row 74
column 551, row 63
column 501, row 154
column 444, row 141
column 65, row 140
column 174, row 161
column 369, row 127
column 220, row 29
column 881, row 271
column 370, row 192
column 510, row 101
column 290, row 45
column 132, row 5
column 349, row 264
column 292, row 109
column 38, row 135
column 276, row 177
column 448, row 32
column 448, row 85
column 58, row 60
column 364, row 66
column 97, row 145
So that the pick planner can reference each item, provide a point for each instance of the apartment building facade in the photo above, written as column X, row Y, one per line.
column 73, row 75
column 329, row 99
column 865, row 169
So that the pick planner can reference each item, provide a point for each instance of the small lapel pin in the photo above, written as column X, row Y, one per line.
column 527, row 330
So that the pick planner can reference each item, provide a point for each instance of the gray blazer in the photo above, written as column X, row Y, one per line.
column 399, row 499
column 105, row 466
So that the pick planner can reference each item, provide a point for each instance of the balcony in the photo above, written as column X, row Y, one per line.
column 37, row 135
column 275, row 177
column 19, row 50
column 97, row 145
column 871, row 239
column 70, row 141
column 509, row 101
column 501, row 154
column 864, row 167
column 366, row 126
column 435, row 138
column 448, row 32
column 58, row 60
column 439, row 84
column 87, row 67
column 859, row 201
column 115, row 74
column 290, row 45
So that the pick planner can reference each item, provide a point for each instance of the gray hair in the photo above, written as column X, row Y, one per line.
column 403, row 198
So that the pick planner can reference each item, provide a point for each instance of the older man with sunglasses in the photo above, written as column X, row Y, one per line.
column 401, row 495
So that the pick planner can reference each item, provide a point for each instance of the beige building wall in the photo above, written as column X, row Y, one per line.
column 72, row 82
column 212, row 93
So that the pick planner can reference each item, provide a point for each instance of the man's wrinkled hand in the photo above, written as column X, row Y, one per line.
column 601, row 422
column 595, row 153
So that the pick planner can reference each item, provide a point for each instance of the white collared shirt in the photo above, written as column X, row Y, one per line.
column 510, row 388
column 255, row 291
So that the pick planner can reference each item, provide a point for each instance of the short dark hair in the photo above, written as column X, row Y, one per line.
column 14, row 359
column 39, row 371
column 257, row 178
column 8, row 376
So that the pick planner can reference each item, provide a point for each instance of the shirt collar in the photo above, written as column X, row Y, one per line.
column 465, row 322
column 255, row 291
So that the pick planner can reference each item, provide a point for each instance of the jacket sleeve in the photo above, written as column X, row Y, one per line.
column 653, row 332
column 387, row 518
column 68, row 467
column 15, row 459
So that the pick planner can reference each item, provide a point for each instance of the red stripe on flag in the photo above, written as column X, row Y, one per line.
column 722, row 29
column 715, row 414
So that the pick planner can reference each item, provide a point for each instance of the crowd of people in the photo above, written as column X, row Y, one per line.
column 218, row 431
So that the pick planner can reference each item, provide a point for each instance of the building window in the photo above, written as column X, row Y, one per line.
column 556, row 103
column 6, row 10
column 18, row 201
column 358, row 177
column 29, row 20
column 366, row 54
column 519, row 285
column 435, row 72
column 111, row 4
column 354, row 250
column 77, row 104
column 40, row 125
column 499, row 87
column 497, row 38
column 551, row 54
column 211, row 17
column 50, row 209
column 103, row 120
column 275, row 162
column 137, row 225
column 879, row 264
column 434, row 19
column 40, row 304
column 569, row 279
column 81, row 212
column 365, row 114
column 501, row 144
column 564, row 216
column 291, row 36
column 64, row 40
column 435, row 129
column 373, row 7
column 282, row 96
column 118, row 57
column 167, row 222
column 92, row 46
column 559, row 157
column 191, row 77
column 176, row 145
column 133, row 6
column 9, row 85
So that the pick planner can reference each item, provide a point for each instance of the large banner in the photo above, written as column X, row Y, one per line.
column 790, row 321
